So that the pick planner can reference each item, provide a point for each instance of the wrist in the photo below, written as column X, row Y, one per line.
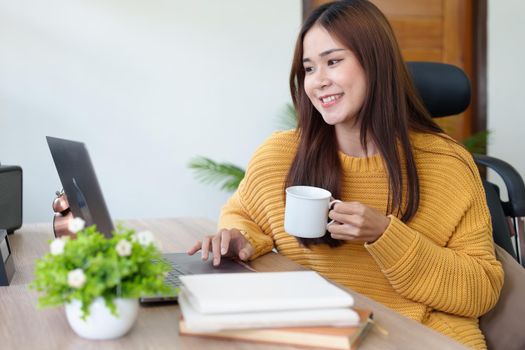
column 384, row 226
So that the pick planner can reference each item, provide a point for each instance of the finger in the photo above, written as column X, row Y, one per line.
column 344, row 229
column 339, row 217
column 225, row 241
column 351, row 219
column 195, row 248
column 205, row 248
column 343, row 237
column 348, row 208
column 216, row 249
column 246, row 252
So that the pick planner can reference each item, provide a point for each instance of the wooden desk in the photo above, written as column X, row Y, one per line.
column 22, row 326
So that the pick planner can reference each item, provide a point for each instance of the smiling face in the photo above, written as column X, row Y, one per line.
column 334, row 81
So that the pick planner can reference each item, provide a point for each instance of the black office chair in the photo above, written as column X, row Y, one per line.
column 445, row 91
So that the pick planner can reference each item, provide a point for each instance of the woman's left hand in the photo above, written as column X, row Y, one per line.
column 357, row 222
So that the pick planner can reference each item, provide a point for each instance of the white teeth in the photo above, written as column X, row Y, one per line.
column 330, row 98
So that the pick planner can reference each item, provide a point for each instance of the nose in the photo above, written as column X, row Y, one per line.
column 324, row 83
column 322, row 80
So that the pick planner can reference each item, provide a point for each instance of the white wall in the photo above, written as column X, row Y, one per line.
column 506, row 79
column 147, row 85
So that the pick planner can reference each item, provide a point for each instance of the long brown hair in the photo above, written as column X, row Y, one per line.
column 391, row 108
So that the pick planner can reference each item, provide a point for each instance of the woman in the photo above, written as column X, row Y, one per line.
column 413, row 231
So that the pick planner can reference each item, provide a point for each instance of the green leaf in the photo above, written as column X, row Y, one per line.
column 210, row 172
column 477, row 143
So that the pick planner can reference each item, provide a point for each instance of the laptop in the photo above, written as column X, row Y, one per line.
column 86, row 201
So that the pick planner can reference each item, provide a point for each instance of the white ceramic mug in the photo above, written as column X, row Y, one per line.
column 306, row 211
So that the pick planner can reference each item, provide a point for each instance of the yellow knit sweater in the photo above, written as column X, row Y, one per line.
column 439, row 269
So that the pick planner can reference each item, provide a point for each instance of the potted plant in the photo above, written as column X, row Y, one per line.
column 99, row 279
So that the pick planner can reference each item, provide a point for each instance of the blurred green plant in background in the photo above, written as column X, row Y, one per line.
column 210, row 172
column 229, row 175
column 478, row 142
column 287, row 119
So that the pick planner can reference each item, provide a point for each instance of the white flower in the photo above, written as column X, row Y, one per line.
column 123, row 248
column 57, row 246
column 76, row 225
column 144, row 238
column 76, row 278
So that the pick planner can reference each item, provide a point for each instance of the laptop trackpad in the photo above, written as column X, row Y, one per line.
column 193, row 264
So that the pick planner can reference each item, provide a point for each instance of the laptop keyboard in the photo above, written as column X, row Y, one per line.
column 173, row 276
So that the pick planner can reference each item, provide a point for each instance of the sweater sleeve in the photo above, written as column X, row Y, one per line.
column 235, row 215
column 247, row 209
column 463, row 277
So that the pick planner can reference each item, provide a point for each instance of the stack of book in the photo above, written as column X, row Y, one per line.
column 299, row 308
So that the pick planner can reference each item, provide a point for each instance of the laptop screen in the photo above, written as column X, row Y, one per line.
column 80, row 183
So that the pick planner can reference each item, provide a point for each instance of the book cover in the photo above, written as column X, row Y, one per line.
column 345, row 338
column 263, row 291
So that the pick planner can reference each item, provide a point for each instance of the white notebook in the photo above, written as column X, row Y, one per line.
column 197, row 322
column 262, row 291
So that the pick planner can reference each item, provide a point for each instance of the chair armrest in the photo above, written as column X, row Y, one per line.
column 515, row 207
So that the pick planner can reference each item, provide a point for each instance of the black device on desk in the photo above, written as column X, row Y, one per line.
column 86, row 201
column 10, row 197
column 7, row 266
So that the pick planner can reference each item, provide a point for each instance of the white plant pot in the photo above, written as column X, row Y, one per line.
column 101, row 323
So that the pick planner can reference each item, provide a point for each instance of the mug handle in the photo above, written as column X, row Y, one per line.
column 330, row 206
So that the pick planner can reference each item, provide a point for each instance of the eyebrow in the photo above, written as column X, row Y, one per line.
column 322, row 54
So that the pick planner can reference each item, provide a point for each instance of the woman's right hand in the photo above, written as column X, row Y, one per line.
column 228, row 243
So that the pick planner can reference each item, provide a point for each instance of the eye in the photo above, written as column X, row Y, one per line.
column 308, row 69
column 332, row 62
